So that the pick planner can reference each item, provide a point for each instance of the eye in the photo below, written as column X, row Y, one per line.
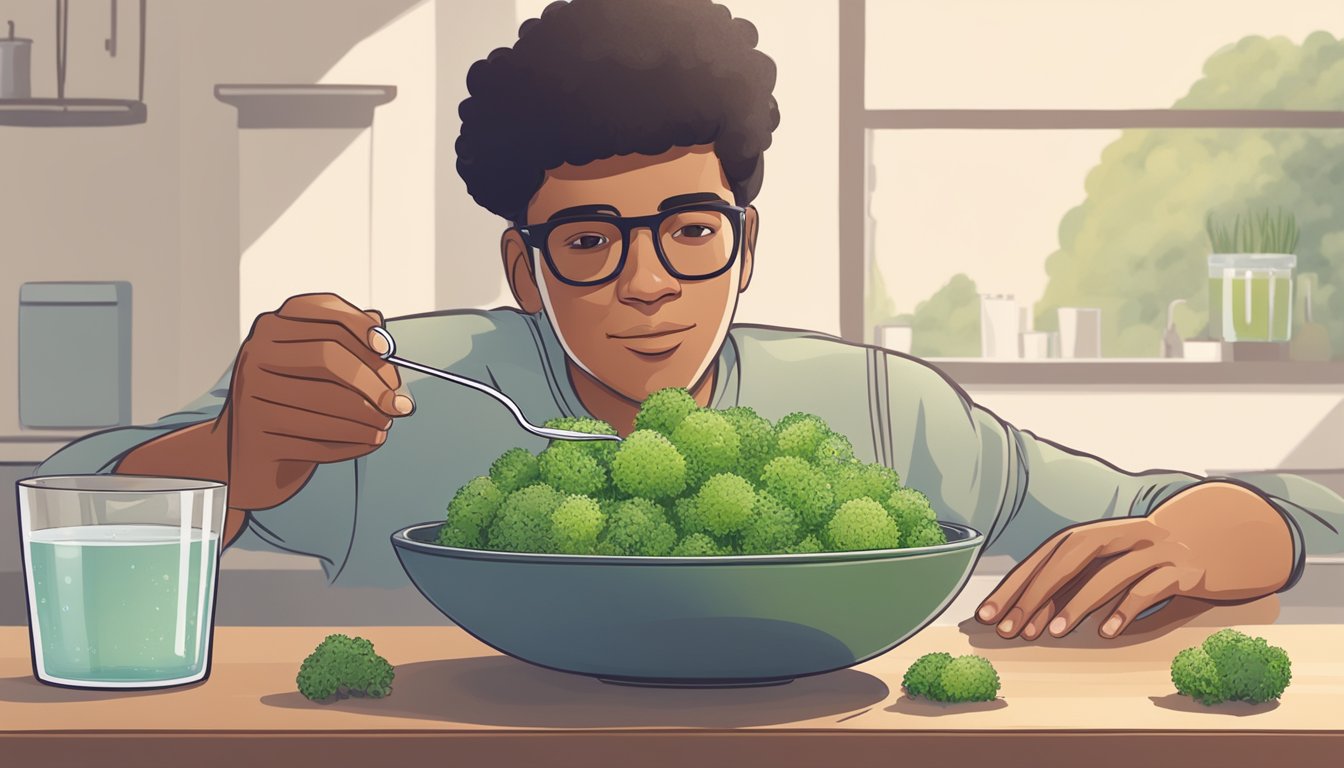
column 694, row 231
column 586, row 242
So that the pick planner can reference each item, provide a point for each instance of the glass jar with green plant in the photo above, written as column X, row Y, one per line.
column 1250, row 276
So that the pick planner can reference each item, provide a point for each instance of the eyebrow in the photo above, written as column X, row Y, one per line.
column 583, row 210
column 694, row 197
column 607, row 208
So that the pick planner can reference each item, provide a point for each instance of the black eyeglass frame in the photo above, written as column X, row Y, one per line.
column 536, row 235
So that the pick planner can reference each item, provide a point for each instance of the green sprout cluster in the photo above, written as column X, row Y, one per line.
column 691, row 482
column 940, row 677
column 1231, row 666
column 343, row 666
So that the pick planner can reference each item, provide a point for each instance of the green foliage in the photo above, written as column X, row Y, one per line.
column 768, row 491
column 857, row 481
column 801, row 437
column 756, row 440
column 722, row 507
column 772, row 527
column 924, row 678
column 800, row 486
column 524, row 520
column 709, row 444
column 915, row 516
column 1264, row 232
column 576, row 524
column 637, row 527
column 470, row 512
column 517, row 468
column 648, row 464
column 940, row 677
column 699, row 545
column 1231, row 666
column 1138, row 240
column 862, row 524
column 810, row 545
column 947, row 324
column 344, row 666
column 663, row 411
column 571, row 468
column 970, row 678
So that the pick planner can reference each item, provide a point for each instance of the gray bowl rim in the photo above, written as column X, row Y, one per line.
column 402, row 540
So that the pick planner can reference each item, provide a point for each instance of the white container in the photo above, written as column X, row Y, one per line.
column 897, row 338
column 1036, row 345
column 1202, row 350
column 1079, row 332
column 1000, row 325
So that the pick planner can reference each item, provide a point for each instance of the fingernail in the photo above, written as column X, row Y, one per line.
column 403, row 404
column 987, row 612
column 1006, row 625
column 1029, row 631
column 1058, row 626
column 378, row 343
column 1112, row 626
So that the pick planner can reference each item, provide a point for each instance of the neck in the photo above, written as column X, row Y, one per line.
column 616, row 409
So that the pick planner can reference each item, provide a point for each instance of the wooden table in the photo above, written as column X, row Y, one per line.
column 1076, row 701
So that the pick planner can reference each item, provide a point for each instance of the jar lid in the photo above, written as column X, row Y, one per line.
column 1252, row 261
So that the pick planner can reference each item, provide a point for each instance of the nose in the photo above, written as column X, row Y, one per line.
column 644, row 282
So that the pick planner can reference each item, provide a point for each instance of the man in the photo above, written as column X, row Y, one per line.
column 623, row 141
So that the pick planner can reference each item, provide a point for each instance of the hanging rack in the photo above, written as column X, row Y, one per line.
column 80, row 112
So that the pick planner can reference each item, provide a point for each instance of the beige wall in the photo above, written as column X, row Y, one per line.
column 158, row 204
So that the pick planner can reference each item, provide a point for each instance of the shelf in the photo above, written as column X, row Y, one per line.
column 71, row 113
column 305, row 106
column 1130, row 373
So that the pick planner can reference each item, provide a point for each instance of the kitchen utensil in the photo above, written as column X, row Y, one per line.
column 547, row 432
column 16, row 57
column 723, row 621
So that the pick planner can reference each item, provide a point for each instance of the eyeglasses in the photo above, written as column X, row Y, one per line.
column 694, row 242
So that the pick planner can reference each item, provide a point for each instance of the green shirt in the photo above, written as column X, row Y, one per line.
column 1014, row 487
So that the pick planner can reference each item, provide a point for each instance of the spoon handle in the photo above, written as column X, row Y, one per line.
column 547, row 432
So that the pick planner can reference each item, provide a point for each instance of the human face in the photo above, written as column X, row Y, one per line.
column 645, row 329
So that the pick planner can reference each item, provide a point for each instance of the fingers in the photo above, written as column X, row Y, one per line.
column 1151, row 589
column 316, row 451
column 1115, row 577
column 273, row 329
column 322, row 397
column 330, row 308
column 283, row 419
column 330, row 361
column 1053, row 565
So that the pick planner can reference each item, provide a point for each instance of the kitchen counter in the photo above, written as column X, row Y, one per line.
column 1063, row 701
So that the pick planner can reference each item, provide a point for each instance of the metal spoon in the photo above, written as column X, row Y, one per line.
column 547, row 432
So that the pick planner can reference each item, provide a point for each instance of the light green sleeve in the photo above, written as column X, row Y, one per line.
column 1019, row 489
column 328, row 495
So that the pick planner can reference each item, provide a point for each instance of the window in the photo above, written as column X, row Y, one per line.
column 980, row 138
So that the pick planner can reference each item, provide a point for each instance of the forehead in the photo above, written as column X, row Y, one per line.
column 634, row 184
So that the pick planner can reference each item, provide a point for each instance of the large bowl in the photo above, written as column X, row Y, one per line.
column 691, row 621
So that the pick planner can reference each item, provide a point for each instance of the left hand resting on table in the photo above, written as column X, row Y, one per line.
column 1217, row 541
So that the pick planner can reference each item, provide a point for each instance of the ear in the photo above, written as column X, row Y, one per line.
column 753, row 225
column 518, row 270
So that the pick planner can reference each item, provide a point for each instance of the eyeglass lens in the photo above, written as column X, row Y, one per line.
column 695, row 243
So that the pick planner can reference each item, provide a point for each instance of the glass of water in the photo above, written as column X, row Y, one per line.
column 121, row 574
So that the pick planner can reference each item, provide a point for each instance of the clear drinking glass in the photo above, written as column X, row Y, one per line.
column 121, row 574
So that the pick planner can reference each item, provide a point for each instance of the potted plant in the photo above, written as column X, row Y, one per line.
column 1251, row 276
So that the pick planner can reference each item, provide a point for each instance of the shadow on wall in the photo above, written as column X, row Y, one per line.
column 468, row 272
column 297, row 41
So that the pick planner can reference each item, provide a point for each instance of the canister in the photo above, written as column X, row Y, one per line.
column 16, row 58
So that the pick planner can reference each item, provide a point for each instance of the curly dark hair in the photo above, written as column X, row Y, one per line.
column 592, row 79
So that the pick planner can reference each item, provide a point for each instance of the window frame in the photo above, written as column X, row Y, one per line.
column 858, row 122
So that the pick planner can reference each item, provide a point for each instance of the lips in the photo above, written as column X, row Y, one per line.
column 652, row 331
